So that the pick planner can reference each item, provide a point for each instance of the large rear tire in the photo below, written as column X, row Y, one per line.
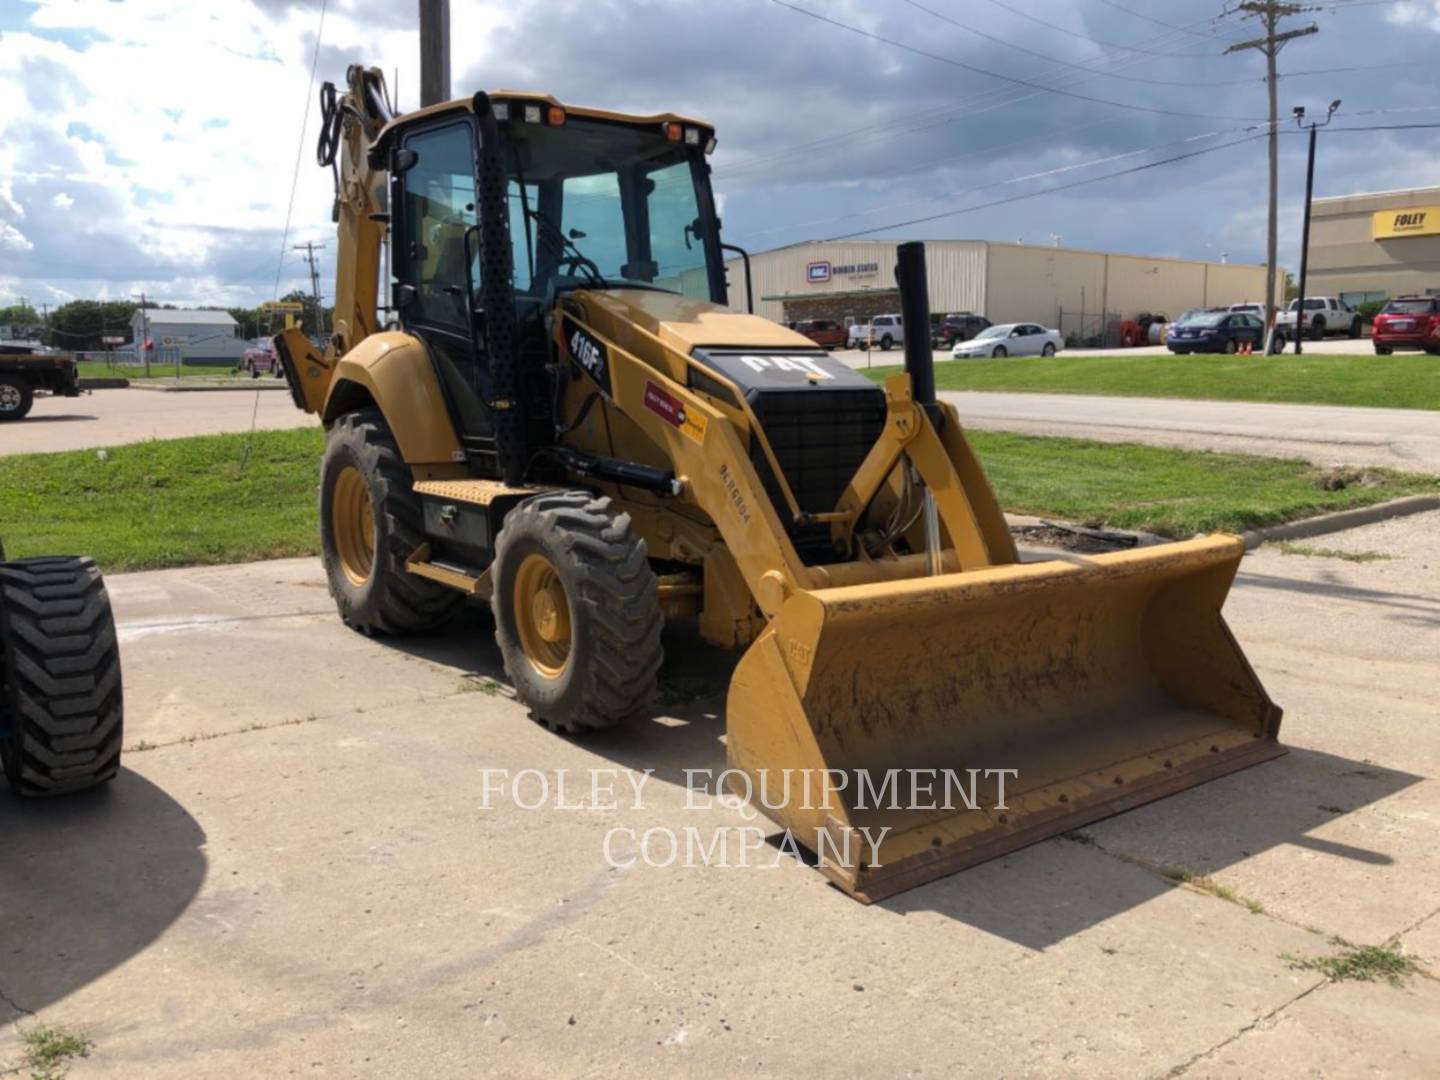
column 16, row 397
column 577, row 611
column 370, row 524
column 61, row 700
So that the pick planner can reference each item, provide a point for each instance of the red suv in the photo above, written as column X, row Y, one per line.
column 826, row 333
column 1408, row 322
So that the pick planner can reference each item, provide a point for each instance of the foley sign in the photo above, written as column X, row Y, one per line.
column 1411, row 221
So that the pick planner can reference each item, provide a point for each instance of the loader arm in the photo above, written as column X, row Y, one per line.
column 350, row 123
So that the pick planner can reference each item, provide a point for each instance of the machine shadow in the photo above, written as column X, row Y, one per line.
column 682, row 731
column 87, row 882
column 1042, row 894
column 1039, row 895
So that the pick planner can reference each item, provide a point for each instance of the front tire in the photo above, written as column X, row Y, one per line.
column 1230, row 347
column 15, row 399
column 60, row 691
column 1000, row 352
column 370, row 523
column 577, row 611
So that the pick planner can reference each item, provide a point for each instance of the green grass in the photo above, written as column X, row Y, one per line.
column 48, row 1052
column 96, row 369
column 1360, row 963
column 1402, row 381
column 173, row 502
column 1170, row 492
column 188, row 501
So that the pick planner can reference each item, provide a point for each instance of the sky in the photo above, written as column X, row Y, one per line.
column 153, row 146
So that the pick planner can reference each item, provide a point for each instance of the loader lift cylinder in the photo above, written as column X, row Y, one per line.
column 920, row 366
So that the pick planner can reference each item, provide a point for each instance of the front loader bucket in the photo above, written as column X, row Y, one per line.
column 869, row 718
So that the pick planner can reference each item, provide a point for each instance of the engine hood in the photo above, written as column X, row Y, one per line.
column 682, row 323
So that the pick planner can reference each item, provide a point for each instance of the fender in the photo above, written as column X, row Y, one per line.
column 392, row 371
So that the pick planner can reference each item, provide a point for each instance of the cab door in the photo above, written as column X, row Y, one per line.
column 434, row 238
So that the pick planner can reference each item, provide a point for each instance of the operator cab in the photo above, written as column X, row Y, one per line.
column 581, row 199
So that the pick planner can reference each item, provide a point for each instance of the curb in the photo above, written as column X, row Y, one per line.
column 104, row 383
column 1341, row 520
column 252, row 385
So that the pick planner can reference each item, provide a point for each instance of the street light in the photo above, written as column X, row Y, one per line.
column 1305, row 231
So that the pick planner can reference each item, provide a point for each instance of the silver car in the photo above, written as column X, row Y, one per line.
column 1011, row 339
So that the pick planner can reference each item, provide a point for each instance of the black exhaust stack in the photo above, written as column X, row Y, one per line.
column 915, row 310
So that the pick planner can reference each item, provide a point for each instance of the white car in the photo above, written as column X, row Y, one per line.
column 1011, row 339
column 1323, row 315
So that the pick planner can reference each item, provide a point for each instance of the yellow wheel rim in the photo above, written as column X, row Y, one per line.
column 352, row 520
column 542, row 616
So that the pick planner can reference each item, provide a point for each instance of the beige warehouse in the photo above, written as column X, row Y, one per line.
column 1060, row 287
column 1371, row 247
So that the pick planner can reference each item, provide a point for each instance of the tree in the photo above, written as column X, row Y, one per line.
column 80, row 324
column 1292, row 287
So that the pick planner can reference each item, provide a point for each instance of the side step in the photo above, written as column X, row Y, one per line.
column 460, row 578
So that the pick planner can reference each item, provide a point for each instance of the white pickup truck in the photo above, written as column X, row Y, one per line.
column 885, row 331
column 1323, row 315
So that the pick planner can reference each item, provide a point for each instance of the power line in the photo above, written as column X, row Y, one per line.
column 995, row 74
column 1048, row 191
column 1069, row 32
column 1160, row 22
column 1046, row 56
column 299, row 150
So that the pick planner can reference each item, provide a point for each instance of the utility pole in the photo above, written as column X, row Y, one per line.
column 310, row 250
column 1270, row 12
column 1315, row 125
column 434, row 52
column 45, row 323
column 143, row 344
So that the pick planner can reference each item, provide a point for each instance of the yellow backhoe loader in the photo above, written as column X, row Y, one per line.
column 560, row 413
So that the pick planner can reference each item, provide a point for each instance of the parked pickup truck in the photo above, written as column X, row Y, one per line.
column 883, row 330
column 1323, row 315
column 26, row 367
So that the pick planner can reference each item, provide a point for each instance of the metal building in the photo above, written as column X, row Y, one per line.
column 1072, row 290
column 199, row 335
column 1372, row 247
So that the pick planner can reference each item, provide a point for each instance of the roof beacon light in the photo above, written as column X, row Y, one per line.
column 532, row 114
column 557, row 116
column 673, row 131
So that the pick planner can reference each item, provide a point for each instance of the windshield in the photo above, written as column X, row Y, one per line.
column 993, row 332
column 1409, row 307
column 609, row 204
column 1207, row 318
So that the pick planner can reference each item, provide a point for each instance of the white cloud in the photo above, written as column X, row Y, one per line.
column 62, row 201
column 1414, row 13
column 12, row 239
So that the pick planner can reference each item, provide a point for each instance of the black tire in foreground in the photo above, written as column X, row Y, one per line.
column 61, row 700
column 370, row 524
column 577, row 611
column 16, row 397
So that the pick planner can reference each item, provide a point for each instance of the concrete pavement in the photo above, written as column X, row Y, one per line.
column 113, row 417
column 298, row 871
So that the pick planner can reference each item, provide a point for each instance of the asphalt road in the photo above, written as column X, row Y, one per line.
column 298, row 871
column 113, row 417
column 1326, row 434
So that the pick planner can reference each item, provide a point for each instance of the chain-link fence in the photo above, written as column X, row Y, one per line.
column 1090, row 329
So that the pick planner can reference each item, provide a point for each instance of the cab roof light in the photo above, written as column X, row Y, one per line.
column 556, row 117
column 501, row 110
column 673, row 131
column 532, row 114
column 710, row 145
column 692, row 136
